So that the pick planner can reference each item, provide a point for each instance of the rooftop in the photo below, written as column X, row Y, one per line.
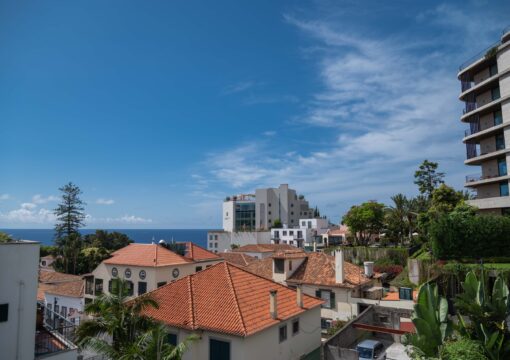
column 57, row 283
column 197, row 253
column 227, row 299
column 238, row 258
column 146, row 255
column 264, row 248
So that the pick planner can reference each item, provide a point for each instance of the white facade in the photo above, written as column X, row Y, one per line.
column 71, row 307
column 239, row 213
column 19, row 262
column 264, row 344
column 279, row 203
column 306, row 234
column 221, row 241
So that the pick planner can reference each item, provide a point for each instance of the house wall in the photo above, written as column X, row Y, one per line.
column 19, row 263
column 345, row 308
column 222, row 240
column 67, row 301
column 228, row 215
column 264, row 344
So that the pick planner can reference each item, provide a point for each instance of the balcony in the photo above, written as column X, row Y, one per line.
column 474, row 134
column 474, row 157
column 497, row 202
column 54, row 335
column 469, row 88
column 478, row 180
column 472, row 109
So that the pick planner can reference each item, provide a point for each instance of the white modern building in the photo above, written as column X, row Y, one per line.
column 485, row 82
column 239, row 213
column 281, row 203
column 221, row 241
column 238, row 316
column 23, row 336
column 308, row 234
column 146, row 267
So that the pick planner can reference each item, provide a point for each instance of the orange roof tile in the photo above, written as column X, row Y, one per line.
column 145, row 255
column 289, row 254
column 197, row 253
column 227, row 299
column 264, row 248
column 240, row 259
column 262, row 267
column 53, row 282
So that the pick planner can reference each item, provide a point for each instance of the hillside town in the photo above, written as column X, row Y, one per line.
column 415, row 278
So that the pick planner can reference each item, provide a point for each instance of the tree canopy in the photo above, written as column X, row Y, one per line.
column 365, row 220
column 428, row 178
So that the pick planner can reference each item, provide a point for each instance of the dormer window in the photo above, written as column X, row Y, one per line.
column 279, row 266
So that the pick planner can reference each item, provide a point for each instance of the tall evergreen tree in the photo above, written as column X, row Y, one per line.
column 70, row 218
column 428, row 178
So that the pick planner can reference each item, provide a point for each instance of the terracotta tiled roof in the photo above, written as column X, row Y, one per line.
column 145, row 255
column 262, row 267
column 197, row 253
column 57, row 283
column 319, row 269
column 264, row 248
column 343, row 230
column 240, row 259
column 289, row 254
column 227, row 299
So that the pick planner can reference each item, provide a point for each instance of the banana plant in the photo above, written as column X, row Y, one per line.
column 430, row 318
column 487, row 313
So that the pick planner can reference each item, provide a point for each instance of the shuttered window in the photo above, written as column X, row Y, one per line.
column 219, row 350
column 328, row 296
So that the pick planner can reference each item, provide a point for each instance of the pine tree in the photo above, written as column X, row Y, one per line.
column 70, row 218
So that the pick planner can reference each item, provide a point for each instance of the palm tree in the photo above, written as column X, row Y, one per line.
column 118, row 329
column 397, row 216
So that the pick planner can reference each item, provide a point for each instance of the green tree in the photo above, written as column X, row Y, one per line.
column 365, row 220
column 108, row 240
column 430, row 319
column 428, row 178
column 488, row 312
column 277, row 224
column 463, row 349
column 4, row 238
column 132, row 335
column 397, row 218
column 70, row 218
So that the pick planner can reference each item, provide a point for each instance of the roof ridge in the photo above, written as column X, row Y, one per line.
column 194, row 326
column 156, row 257
column 229, row 277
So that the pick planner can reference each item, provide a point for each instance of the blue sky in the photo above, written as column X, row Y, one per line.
column 160, row 109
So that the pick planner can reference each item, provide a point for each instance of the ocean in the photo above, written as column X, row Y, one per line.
column 45, row 236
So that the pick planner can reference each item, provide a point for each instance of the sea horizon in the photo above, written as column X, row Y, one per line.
column 46, row 236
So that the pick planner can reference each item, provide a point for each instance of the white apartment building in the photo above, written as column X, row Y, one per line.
column 308, row 234
column 238, row 316
column 281, row 203
column 22, row 335
column 146, row 267
column 485, row 81
column 239, row 213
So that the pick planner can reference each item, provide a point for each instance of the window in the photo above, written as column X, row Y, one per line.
column 113, row 286
column 89, row 285
column 309, row 224
column 290, row 265
column 171, row 339
column 269, row 204
column 295, row 327
column 216, row 245
column 500, row 141
column 142, row 287
column 503, row 188
column 57, row 309
column 4, row 312
column 325, row 323
column 269, row 221
column 502, row 171
column 129, row 288
column 210, row 237
column 284, row 233
column 279, row 266
column 291, row 205
column 219, row 350
column 226, row 213
column 495, row 93
column 98, row 286
column 63, row 311
column 215, row 237
column 300, row 234
column 498, row 118
column 161, row 283
column 292, row 212
column 283, row 333
column 43, row 263
column 493, row 70
column 291, row 232
column 276, row 234
column 328, row 297
column 269, row 213
column 198, row 268
column 291, row 220
column 303, row 223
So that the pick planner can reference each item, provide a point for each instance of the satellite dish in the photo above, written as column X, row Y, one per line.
column 162, row 242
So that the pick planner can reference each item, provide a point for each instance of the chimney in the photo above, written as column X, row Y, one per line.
column 314, row 246
column 272, row 304
column 299, row 295
column 339, row 267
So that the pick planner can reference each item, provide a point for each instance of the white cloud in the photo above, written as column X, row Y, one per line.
column 4, row 197
column 28, row 214
column 39, row 199
column 269, row 133
column 129, row 219
column 102, row 201
column 240, row 87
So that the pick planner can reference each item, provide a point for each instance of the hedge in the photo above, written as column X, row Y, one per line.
column 460, row 236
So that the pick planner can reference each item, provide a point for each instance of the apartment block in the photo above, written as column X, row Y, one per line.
column 485, row 86
column 239, row 213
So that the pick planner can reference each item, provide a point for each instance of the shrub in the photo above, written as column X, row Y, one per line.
column 463, row 349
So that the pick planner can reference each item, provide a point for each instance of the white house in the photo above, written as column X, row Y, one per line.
column 238, row 315
column 147, row 266
column 308, row 234
column 63, row 294
column 221, row 240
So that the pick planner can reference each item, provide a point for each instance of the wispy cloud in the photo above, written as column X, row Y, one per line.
column 102, row 201
column 269, row 133
column 269, row 99
column 28, row 213
column 240, row 87
column 39, row 199
column 4, row 197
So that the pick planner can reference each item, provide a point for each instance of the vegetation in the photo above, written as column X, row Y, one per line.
column 463, row 349
column 277, row 224
column 70, row 218
column 428, row 178
column 365, row 221
column 4, row 238
column 430, row 318
column 132, row 335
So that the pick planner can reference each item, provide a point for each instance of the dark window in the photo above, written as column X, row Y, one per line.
column 283, row 333
column 162, row 283
column 284, row 233
column 198, row 268
column 63, row 311
column 171, row 339
column 495, row 93
column 502, row 171
column 269, row 204
column 500, row 142
column 98, row 285
column 89, row 286
column 503, row 188
column 300, row 234
column 290, row 264
column 4, row 312
column 493, row 70
column 325, row 323
column 295, row 327
column 129, row 288
column 292, row 212
column 291, row 205
column 279, row 266
column 113, row 286
column 505, row 211
column 219, row 350
column 142, row 287
column 498, row 118
column 269, row 213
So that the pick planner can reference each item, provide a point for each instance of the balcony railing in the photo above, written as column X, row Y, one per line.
column 474, row 127
column 471, row 151
column 473, row 178
column 478, row 56
column 54, row 333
